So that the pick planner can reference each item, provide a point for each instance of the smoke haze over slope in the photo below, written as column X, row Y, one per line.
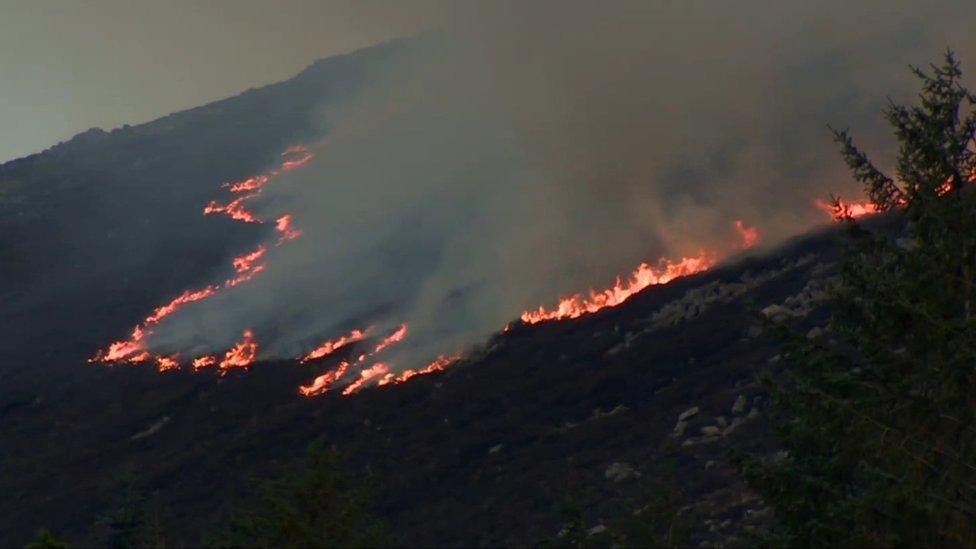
column 518, row 155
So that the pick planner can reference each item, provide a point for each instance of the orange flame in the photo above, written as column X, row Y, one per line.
column 440, row 363
column 846, row 210
column 322, row 383
column 645, row 275
column 164, row 363
column 249, row 184
column 749, row 235
column 203, row 362
column 189, row 296
column 233, row 209
column 242, row 354
column 285, row 230
column 391, row 339
column 365, row 376
column 246, row 266
column 330, row 347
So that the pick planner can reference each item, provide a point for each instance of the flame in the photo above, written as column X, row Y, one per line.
column 188, row 296
column 242, row 354
column 233, row 209
column 846, row 210
column 440, row 363
column 204, row 362
column 395, row 337
column 645, row 275
column 322, row 383
column 249, row 184
column 285, row 230
column 164, row 363
column 246, row 266
column 366, row 375
column 749, row 235
column 332, row 346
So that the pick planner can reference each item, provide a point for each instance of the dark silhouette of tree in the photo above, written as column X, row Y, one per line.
column 878, row 414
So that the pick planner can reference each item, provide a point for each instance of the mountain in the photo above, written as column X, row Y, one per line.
column 97, row 230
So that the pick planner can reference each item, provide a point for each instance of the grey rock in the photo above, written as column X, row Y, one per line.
column 711, row 430
column 689, row 413
column 740, row 405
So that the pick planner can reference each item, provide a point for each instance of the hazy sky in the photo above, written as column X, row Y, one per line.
column 68, row 65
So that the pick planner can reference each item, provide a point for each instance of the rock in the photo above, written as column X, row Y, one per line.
column 776, row 312
column 709, row 464
column 679, row 429
column 688, row 442
column 618, row 472
column 815, row 332
column 754, row 413
column 711, row 431
column 496, row 448
column 740, row 405
column 151, row 430
column 731, row 428
column 722, row 422
column 689, row 413
column 598, row 529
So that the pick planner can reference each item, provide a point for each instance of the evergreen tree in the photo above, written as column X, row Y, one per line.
column 313, row 505
column 878, row 414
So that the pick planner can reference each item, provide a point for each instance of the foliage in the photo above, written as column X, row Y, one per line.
column 46, row 540
column 878, row 414
column 312, row 505
column 134, row 521
column 648, row 516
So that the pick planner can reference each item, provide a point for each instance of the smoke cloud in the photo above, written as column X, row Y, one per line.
column 524, row 152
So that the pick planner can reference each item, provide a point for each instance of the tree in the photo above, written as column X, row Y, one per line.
column 878, row 414
column 312, row 505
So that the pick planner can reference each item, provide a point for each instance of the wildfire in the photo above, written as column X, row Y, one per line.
column 440, row 363
column 846, row 210
column 332, row 346
column 365, row 376
column 643, row 276
column 203, row 362
column 242, row 354
column 749, row 235
column 285, row 231
column 246, row 266
column 322, row 383
column 164, row 363
column 233, row 209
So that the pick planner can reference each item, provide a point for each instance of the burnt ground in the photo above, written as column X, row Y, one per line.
column 481, row 454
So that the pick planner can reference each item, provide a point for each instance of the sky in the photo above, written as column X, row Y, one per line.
column 69, row 65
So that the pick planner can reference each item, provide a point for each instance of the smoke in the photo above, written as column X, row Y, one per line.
column 524, row 152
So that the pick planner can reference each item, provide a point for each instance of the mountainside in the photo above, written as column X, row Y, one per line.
column 483, row 453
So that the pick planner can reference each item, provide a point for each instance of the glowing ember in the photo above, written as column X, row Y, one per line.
column 203, row 362
column 749, row 235
column 164, row 363
column 645, row 275
column 242, row 354
column 285, row 231
column 365, row 376
column 330, row 347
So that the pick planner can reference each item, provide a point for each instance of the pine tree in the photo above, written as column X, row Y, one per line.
column 878, row 414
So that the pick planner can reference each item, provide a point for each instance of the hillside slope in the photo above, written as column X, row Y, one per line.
column 480, row 454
